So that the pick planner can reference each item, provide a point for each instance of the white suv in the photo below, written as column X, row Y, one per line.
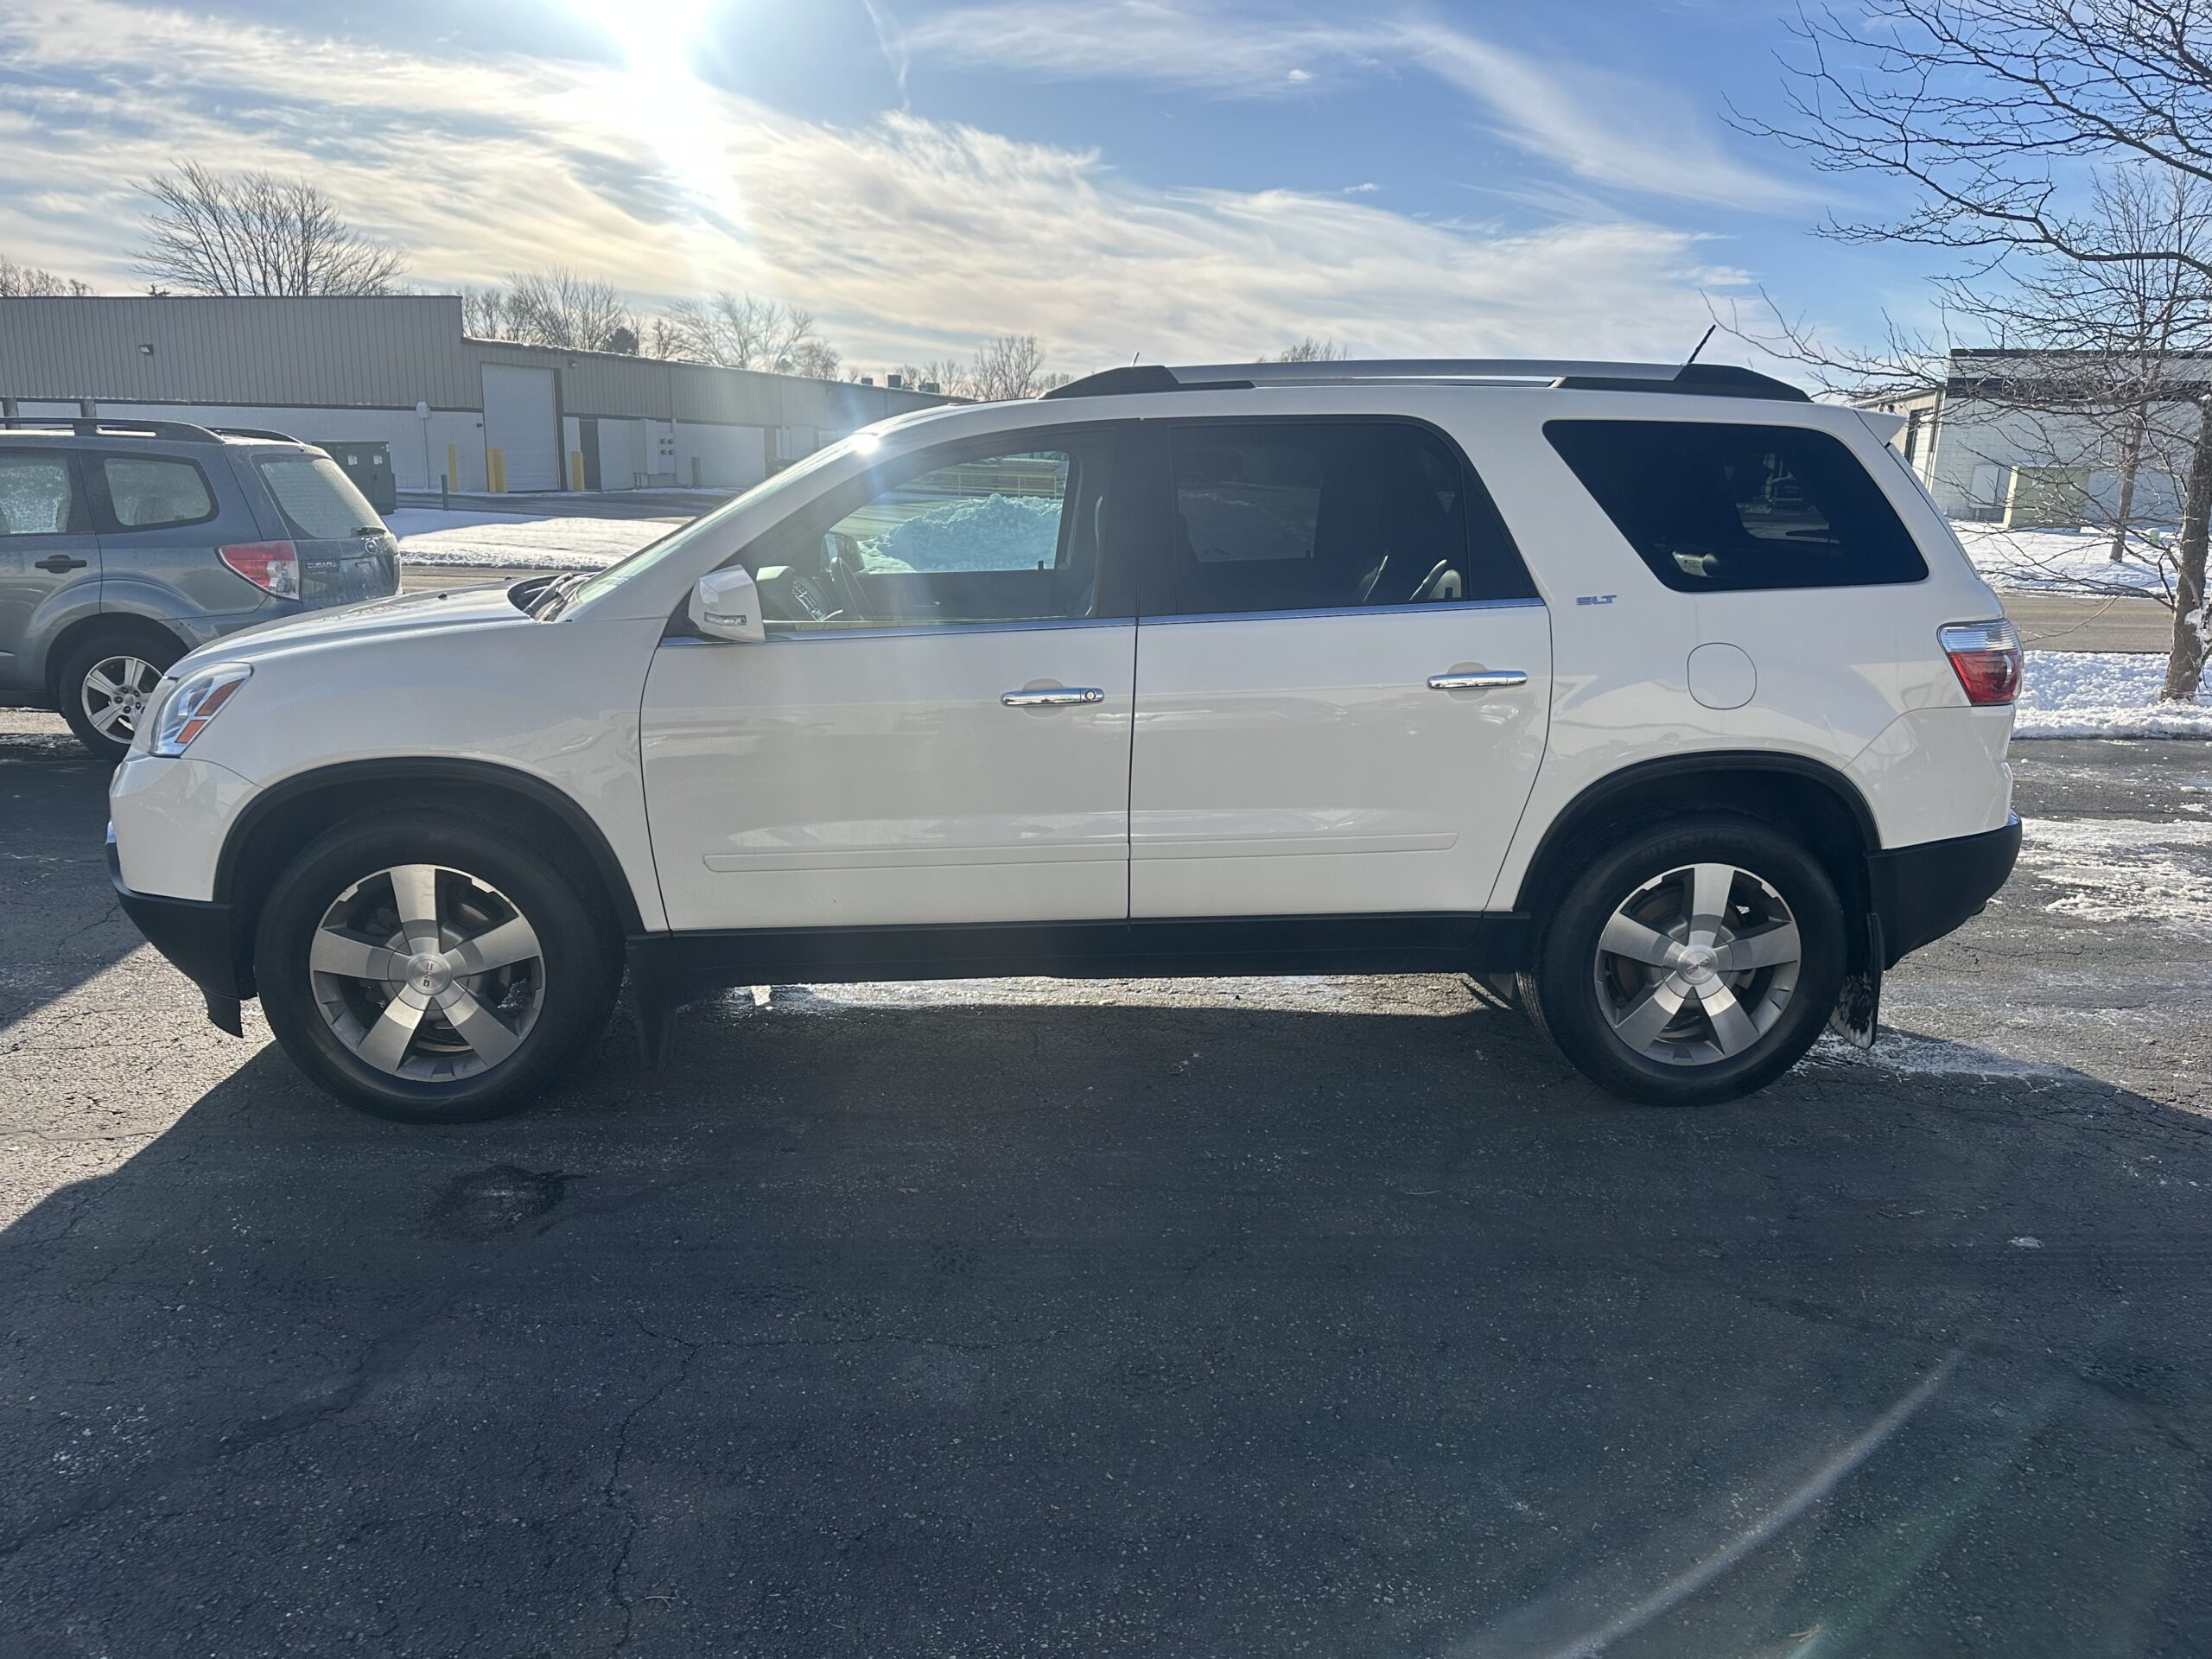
column 1665, row 692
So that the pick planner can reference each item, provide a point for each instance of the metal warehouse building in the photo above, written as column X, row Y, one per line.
column 482, row 413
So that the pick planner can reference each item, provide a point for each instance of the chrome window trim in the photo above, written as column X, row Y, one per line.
column 780, row 632
column 1345, row 610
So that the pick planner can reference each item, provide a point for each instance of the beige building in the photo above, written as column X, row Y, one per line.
column 1993, row 444
column 474, row 414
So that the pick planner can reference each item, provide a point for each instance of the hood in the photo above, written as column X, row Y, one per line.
column 403, row 613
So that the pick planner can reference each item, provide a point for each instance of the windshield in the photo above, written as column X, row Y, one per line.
column 674, row 543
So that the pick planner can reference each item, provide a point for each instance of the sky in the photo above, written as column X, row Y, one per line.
column 1178, row 180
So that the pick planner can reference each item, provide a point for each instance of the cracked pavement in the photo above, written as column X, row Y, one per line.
column 1330, row 1317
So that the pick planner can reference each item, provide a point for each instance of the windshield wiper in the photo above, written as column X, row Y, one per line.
column 546, row 603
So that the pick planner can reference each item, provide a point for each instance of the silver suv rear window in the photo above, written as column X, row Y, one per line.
column 1716, row 506
column 318, row 501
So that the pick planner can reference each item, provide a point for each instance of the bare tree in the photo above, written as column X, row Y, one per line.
column 562, row 309
column 29, row 281
column 257, row 233
column 743, row 331
column 483, row 313
column 943, row 374
column 1988, row 107
column 1310, row 350
column 1997, row 113
column 2123, row 322
column 1008, row 366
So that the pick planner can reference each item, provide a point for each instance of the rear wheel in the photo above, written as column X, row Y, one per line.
column 105, row 685
column 1694, row 963
column 430, row 973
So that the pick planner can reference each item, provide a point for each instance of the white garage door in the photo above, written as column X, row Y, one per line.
column 519, row 422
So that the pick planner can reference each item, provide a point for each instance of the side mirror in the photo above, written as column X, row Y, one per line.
column 725, row 605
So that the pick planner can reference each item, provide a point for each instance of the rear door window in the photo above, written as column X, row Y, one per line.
column 154, row 493
column 39, row 495
column 1328, row 515
column 317, row 500
column 1715, row 507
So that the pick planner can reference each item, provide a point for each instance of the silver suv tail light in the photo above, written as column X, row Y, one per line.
column 273, row 567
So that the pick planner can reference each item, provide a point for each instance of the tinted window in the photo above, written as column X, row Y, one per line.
column 1711, row 507
column 998, row 536
column 318, row 501
column 148, row 493
column 1318, row 515
column 37, row 496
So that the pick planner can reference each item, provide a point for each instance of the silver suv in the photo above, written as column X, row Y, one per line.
column 125, row 543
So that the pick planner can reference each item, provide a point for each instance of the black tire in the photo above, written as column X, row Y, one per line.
column 574, row 974
column 141, row 646
column 1575, row 996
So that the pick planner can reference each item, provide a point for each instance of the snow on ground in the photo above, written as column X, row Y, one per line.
column 1905, row 1054
column 2141, row 870
column 2068, row 561
column 2103, row 694
column 510, row 541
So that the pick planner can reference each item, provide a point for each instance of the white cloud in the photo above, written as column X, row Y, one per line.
column 908, row 237
column 1606, row 128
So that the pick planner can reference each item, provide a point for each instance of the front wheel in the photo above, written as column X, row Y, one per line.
column 107, row 684
column 1696, row 963
column 428, row 972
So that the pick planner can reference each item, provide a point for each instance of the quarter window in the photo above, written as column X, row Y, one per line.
column 38, row 497
column 1318, row 515
column 148, row 493
column 999, row 535
column 1715, row 507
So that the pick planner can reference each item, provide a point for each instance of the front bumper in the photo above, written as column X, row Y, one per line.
column 199, row 936
column 1920, row 893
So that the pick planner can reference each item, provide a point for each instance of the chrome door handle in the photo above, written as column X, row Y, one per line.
column 1058, row 696
column 1481, row 679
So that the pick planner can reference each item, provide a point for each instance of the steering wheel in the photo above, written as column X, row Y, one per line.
column 841, row 570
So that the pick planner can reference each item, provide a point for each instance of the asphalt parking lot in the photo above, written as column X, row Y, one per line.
column 1332, row 1318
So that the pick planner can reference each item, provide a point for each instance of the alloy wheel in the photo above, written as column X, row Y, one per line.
column 427, row 973
column 115, row 693
column 1696, row 965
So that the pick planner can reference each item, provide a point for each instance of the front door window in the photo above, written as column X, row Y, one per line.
column 1009, row 536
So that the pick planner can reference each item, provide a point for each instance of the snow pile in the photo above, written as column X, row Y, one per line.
column 993, row 532
column 511, row 542
column 2064, row 560
column 2103, row 694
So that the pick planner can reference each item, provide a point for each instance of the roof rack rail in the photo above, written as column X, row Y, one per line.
column 113, row 426
column 254, row 432
column 1704, row 379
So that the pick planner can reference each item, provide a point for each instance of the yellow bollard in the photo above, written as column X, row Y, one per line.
column 575, row 469
column 495, row 471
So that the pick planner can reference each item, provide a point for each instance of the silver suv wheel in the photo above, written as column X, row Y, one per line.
column 427, row 973
column 114, row 692
column 1696, row 965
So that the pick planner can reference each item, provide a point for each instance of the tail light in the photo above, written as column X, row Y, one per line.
column 1986, row 655
column 273, row 567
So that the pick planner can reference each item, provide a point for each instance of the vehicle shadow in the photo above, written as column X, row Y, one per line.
column 1123, row 1324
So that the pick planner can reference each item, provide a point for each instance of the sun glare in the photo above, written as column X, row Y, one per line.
column 665, row 102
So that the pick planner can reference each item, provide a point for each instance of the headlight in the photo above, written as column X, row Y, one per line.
column 196, row 703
